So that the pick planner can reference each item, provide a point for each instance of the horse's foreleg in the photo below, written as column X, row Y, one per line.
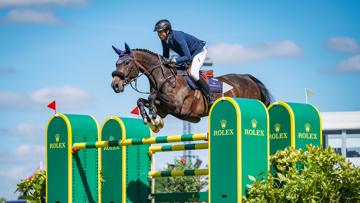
column 156, row 120
column 151, row 104
column 141, row 103
column 154, row 123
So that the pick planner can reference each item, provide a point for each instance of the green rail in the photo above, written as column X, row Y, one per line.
column 140, row 141
column 170, row 173
column 180, row 147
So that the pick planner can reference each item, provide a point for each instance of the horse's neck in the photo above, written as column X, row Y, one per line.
column 150, row 67
column 147, row 60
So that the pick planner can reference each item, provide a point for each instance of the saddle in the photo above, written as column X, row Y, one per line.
column 214, row 84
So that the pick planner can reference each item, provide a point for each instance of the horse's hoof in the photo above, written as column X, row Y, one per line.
column 159, row 122
column 155, row 129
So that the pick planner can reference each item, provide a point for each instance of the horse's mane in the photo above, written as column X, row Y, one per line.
column 147, row 51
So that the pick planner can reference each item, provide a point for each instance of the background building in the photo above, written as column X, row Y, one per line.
column 341, row 131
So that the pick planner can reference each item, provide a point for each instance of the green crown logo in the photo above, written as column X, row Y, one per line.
column 111, row 138
column 253, row 123
column 57, row 137
column 307, row 127
column 277, row 127
column 223, row 123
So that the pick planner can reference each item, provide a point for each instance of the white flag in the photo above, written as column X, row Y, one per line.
column 226, row 87
column 308, row 93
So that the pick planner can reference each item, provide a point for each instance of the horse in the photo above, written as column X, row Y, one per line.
column 169, row 90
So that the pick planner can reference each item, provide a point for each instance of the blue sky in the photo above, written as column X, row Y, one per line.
column 61, row 49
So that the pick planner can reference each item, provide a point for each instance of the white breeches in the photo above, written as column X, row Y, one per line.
column 196, row 64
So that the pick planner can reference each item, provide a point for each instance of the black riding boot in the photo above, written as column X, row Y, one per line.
column 204, row 87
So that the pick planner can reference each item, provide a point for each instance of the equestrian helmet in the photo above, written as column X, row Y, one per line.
column 162, row 25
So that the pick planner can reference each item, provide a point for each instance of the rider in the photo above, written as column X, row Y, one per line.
column 189, row 48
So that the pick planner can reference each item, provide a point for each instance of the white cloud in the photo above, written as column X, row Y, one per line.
column 18, row 3
column 31, row 16
column 351, row 64
column 23, row 154
column 29, row 150
column 238, row 53
column 68, row 97
column 14, row 173
column 343, row 44
column 11, row 99
column 25, row 129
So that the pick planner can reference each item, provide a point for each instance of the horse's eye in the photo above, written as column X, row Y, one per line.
column 127, row 62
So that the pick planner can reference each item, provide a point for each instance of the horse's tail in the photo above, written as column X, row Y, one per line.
column 265, row 94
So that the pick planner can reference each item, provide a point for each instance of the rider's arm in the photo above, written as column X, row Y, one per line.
column 185, row 50
column 166, row 49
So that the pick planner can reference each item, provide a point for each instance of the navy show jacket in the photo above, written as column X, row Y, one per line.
column 186, row 45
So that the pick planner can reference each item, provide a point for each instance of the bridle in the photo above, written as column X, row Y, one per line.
column 144, row 71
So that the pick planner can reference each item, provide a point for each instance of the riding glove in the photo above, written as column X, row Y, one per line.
column 169, row 61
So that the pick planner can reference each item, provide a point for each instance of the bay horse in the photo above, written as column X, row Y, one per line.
column 169, row 90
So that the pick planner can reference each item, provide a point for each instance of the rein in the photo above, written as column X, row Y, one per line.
column 148, row 73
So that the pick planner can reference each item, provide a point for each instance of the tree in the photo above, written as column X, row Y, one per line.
column 314, row 175
column 33, row 189
column 2, row 200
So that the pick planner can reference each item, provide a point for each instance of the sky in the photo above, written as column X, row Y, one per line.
column 61, row 49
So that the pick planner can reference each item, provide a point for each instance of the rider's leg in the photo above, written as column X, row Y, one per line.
column 197, row 62
column 201, row 83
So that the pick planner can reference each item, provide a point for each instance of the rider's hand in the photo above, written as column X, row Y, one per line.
column 169, row 61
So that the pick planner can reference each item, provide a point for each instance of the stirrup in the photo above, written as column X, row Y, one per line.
column 211, row 99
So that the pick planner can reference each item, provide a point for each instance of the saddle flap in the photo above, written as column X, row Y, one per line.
column 215, row 85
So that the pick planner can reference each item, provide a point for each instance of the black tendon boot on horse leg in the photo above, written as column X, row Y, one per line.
column 141, row 104
column 156, row 121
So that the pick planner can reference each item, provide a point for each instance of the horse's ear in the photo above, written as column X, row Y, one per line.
column 118, row 51
column 127, row 49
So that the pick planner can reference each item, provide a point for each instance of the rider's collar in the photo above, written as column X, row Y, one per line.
column 168, row 38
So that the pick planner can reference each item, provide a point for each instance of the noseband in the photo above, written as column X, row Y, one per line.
column 121, row 75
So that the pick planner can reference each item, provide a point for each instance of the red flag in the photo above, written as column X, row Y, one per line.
column 135, row 111
column 52, row 105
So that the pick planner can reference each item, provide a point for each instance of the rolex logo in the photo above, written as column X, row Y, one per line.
column 111, row 138
column 253, row 123
column 57, row 137
column 307, row 127
column 223, row 123
column 277, row 127
column 57, row 144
